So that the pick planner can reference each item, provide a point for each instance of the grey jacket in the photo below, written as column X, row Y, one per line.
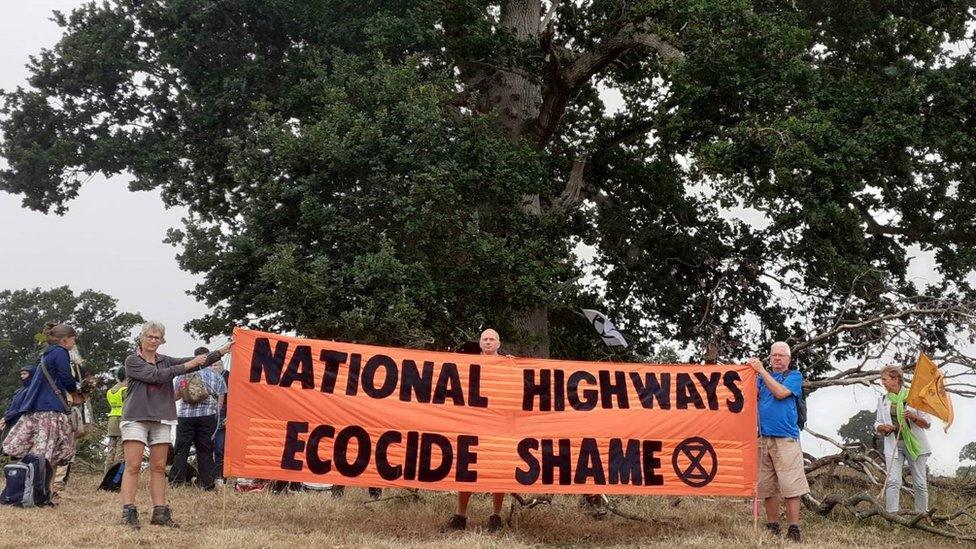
column 150, row 394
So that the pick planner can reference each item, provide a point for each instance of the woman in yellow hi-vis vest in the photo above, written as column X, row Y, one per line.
column 115, row 397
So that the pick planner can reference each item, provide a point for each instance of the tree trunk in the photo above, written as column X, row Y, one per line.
column 518, row 100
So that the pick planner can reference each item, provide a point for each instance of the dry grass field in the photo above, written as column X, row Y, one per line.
column 87, row 518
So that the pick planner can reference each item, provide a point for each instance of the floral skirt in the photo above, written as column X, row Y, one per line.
column 47, row 434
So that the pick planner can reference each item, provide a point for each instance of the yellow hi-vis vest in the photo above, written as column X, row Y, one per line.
column 115, row 396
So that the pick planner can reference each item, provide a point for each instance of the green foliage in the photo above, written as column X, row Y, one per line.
column 90, row 448
column 859, row 429
column 351, row 170
column 103, row 331
column 968, row 452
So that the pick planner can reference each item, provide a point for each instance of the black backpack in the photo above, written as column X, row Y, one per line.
column 112, row 481
column 801, row 410
column 26, row 482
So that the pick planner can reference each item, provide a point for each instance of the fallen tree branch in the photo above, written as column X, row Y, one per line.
column 963, row 512
column 519, row 502
column 609, row 505
column 875, row 509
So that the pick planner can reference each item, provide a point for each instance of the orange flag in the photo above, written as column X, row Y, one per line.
column 928, row 390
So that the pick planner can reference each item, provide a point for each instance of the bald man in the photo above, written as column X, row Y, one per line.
column 490, row 342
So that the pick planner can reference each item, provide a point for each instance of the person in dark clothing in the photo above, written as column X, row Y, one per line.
column 196, row 425
column 221, row 433
column 11, row 415
column 44, row 428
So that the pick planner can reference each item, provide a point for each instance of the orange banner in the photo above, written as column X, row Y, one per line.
column 359, row 415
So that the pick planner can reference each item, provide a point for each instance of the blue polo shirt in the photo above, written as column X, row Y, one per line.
column 777, row 418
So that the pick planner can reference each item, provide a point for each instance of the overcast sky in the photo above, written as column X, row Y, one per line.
column 111, row 241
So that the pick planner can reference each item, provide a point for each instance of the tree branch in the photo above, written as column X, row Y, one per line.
column 549, row 17
column 563, row 80
column 876, row 510
column 590, row 63
column 955, row 235
column 571, row 195
column 819, row 338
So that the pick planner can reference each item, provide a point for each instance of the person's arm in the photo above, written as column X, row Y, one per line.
column 190, row 363
column 14, row 407
column 196, row 361
column 779, row 391
column 918, row 418
column 138, row 369
column 879, row 425
column 59, row 366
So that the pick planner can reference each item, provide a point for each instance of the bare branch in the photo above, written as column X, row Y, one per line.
column 819, row 338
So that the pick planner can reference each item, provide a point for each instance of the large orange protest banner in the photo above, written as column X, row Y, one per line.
column 360, row 415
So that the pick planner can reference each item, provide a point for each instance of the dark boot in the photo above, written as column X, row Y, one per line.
column 773, row 528
column 494, row 523
column 162, row 517
column 375, row 493
column 130, row 516
column 793, row 533
column 457, row 522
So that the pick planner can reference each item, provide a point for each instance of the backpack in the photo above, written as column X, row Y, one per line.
column 26, row 482
column 112, row 481
column 801, row 411
column 192, row 389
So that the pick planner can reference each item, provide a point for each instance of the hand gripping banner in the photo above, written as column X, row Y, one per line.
column 359, row 415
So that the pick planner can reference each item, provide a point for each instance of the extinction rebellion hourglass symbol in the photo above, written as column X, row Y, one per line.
column 695, row 462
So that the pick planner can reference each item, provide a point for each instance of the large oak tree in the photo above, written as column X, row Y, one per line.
column 406, row 171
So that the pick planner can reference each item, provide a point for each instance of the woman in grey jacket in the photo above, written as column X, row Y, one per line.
column 148, row 403
column 904, row 430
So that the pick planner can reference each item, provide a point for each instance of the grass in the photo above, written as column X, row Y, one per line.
column 89, row 518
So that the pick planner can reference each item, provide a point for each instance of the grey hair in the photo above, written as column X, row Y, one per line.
column 893, row 370
column 153, row 326
column 76, row 357
column 789, row 352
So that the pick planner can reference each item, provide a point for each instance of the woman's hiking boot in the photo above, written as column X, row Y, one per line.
column 162, row 517
column 793, row 533
column 130, row 516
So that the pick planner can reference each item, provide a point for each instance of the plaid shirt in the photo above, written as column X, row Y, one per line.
column 215, row 385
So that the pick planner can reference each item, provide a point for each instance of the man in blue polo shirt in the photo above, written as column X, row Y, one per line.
column 781, row 472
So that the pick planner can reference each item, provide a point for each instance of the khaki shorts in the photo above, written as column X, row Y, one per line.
column 149, row 433
column 781, row 472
